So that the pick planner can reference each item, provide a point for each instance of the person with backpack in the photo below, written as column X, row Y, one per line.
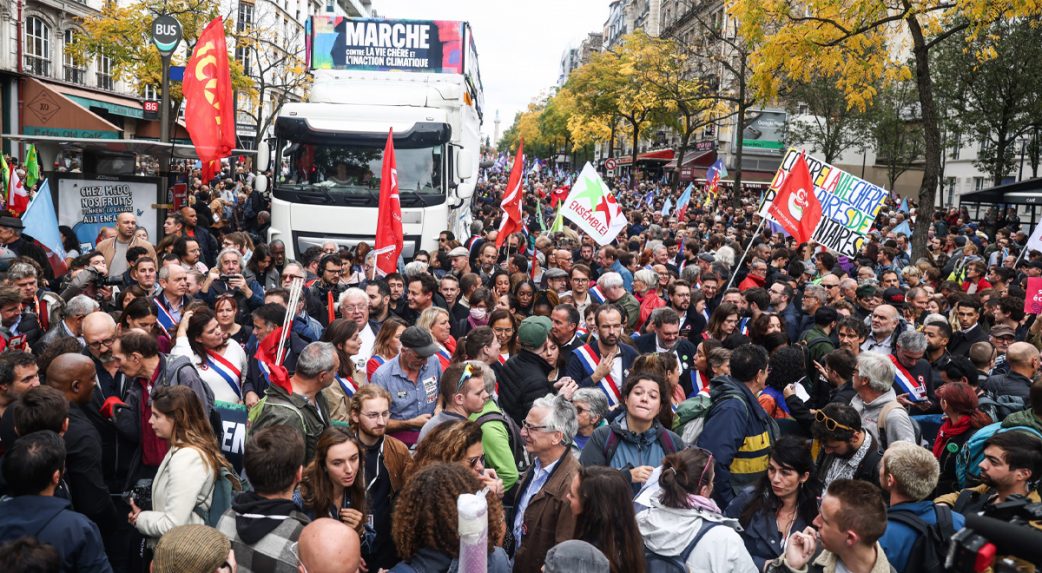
column 683, row 528
column 1024, row 361
column 1010, row 462
column 500, row 436
column 876, row 401
column 187, row 479
column 962, row 418
column 636, row 441
column 917, row 531
column 737, row 429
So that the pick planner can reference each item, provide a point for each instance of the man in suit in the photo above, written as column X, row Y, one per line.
column 664, row 336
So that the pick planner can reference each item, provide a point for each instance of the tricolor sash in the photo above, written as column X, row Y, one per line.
column 699, row 383
column 914, row 387
column 596, row 294
column 226, row 370
column 164, row 318
column 590, row 360
column 503, row 358
column 347, row 385
column 743, row 326
column 705, row 314
column 444, row 357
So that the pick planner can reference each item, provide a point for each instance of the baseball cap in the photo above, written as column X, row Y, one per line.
column 420, row 341
column 533, row 331
column 867, row 291
column 191, row 549
column 459, row 252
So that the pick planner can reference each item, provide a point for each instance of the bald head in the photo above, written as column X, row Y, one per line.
column 1023, row 358
column 74, row 376
column 99, row 331
column 328, row 546
column 884, row 321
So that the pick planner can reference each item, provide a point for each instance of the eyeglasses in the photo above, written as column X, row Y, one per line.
column 831, row 424
column 533, row 428
column 292, row 277
column 374, row 416
column 99, row 343
column 580, row 280
column 332, row 270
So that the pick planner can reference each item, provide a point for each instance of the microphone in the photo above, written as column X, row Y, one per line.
column 1019, row 540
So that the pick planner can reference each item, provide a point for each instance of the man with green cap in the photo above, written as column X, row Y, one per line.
column 524, row 376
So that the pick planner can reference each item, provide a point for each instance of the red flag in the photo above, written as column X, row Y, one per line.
column 795, row 206
column 17, row 196
column 512, row 199
column 207, row 88
column 389, row 236
column 273, row 371
column 559, row 194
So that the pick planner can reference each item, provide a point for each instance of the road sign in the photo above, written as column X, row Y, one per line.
column 151, row 107
column 610, row 164
column 166, row 34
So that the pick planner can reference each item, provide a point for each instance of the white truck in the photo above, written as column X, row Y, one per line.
column 419, row 78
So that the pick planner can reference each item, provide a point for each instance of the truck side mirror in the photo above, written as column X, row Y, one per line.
column 464, row 165
column 264, row 155
column 260, row 183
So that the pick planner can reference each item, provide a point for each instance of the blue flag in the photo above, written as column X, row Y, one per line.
column 667, row 207
column 41, row 221
column 903, row 228
column 904, row 205
column 685, row 198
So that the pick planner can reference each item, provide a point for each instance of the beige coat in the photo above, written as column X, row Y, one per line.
column 184, row 481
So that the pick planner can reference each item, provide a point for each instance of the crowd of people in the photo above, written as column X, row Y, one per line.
column 702, row 394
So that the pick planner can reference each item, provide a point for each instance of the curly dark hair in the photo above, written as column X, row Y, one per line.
column 425, row 513
column 447, row 443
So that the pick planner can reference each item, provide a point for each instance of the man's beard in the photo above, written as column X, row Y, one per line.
column 377, row 310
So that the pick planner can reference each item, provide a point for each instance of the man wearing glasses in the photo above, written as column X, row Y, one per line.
column 324, row 293
column 847, row 450
column 580, row 284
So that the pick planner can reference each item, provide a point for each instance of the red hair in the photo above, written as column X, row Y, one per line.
column 962, row 399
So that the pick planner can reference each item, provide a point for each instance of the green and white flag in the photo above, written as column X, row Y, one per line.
column 593, row 208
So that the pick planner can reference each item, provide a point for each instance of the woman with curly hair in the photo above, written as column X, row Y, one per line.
column 459, row 443
column 425, row 521
column 602, row 504
column 334, row 481
column 521, row 299
column 221, row 362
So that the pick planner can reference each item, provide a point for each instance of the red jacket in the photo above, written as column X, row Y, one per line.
column 752, row 281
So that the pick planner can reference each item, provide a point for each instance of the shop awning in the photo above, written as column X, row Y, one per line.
column 48, row 112
column 664, row 155
column 116, row 105
column 145, row 147
column 693, row 158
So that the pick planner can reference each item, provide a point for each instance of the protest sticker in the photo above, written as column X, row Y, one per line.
column 1033, row 296
column 849, row 204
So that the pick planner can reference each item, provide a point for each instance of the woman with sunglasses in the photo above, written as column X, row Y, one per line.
column 456, row 442
column 682, row 520
column 785, row 500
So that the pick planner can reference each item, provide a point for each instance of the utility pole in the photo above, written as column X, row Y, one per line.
column 166, row 36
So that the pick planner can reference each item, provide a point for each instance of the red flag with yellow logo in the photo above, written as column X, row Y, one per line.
column 209, row 110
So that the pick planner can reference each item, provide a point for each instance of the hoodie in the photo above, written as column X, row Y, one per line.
column 262, row 532
column 52, row 521
column 667, row 531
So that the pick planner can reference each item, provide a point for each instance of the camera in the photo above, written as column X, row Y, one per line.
column 99, row 280
column 1009, row 533
column 141, row 494
column 227, row 278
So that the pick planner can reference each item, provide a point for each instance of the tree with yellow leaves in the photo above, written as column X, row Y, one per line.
column 866, row 42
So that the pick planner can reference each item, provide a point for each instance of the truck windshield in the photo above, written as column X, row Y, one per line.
column 351, row 172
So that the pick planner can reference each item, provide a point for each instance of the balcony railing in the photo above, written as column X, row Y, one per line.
column 37, row 66
column 75, row 75
column 105, row 81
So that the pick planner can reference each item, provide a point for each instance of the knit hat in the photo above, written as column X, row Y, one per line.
column 575, row 556
column 191, row 549
column 533, row 331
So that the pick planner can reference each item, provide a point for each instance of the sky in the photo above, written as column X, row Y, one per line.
column 519, row 42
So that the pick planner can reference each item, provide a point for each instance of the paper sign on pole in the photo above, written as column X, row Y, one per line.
column 593, row 208
column 849, row 204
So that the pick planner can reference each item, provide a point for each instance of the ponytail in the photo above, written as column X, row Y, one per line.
column 684, row 473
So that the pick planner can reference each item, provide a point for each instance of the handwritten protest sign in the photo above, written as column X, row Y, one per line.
column 849, row 204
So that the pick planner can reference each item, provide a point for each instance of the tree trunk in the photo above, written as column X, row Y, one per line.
column 634, row 172
column 931, row 138
column 611, row 140
column 736, row 196
column 685, row 138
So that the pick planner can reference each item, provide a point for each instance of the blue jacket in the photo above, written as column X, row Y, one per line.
column 627, row 276
column 898, row 539
column 632, row 450
column 762, row 539
column 739, row 433
column 51, row 520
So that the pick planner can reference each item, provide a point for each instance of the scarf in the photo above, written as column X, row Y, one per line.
column 779, row 401
column 703, row 503
column 948, row 431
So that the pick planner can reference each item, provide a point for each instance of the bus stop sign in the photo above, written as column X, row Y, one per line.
column 166, row 34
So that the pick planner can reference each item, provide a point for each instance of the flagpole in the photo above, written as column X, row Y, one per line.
column 759, row 228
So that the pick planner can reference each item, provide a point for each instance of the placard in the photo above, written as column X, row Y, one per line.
column 387, row 45
column 1033, row 296
column 88, row 202
column 849, row 204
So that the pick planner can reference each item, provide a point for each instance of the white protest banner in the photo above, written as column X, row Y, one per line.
column 1035, row 240
column 593, row 208
column 849, row 204
column 89, row 202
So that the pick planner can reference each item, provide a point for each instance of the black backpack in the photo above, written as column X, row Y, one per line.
column 517, row 446
column 932, row 541
column 656, row 563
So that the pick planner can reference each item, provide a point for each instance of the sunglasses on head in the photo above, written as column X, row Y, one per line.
column 829, row 423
